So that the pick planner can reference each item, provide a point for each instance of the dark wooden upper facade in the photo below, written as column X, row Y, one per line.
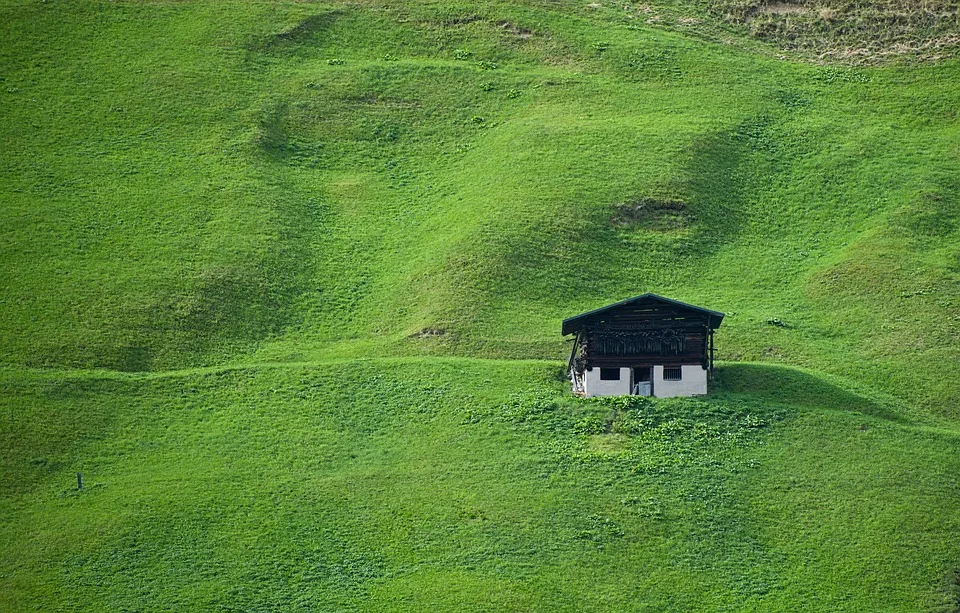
column 644, row 330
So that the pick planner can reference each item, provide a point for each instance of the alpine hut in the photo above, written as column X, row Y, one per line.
column 647, row 345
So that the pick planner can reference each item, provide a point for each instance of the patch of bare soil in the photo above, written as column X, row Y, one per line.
column 506, row 26
column 429, row 333
column 517, row 31
column 657, row 214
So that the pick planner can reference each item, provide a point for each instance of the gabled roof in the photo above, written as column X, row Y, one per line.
column 573, row 324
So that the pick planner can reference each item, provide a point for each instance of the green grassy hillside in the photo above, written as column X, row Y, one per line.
column 284, row 280
column 455, row 484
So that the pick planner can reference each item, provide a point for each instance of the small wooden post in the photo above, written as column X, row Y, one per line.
column 573, row 352
column 711, row 353
column 79, row 481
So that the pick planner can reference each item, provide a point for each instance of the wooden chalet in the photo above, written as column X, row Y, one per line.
column 647, row 345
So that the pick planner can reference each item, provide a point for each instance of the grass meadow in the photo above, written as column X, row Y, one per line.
column 284, row 281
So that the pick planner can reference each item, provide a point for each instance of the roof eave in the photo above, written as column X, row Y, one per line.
column 570, row 325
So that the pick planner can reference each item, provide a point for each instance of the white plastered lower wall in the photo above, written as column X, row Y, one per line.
column 595, row 386
column 693, row 382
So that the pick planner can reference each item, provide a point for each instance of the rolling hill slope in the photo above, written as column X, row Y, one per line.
column 284, row 280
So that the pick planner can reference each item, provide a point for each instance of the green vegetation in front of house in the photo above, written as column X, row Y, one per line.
column 458, row 484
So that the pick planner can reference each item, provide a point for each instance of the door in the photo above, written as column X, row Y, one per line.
column 642, row 381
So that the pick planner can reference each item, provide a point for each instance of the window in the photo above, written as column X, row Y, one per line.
column 672, row 373
column 609, row 374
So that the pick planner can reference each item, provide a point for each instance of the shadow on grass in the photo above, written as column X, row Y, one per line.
column 790, row 386
column 299, row 38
